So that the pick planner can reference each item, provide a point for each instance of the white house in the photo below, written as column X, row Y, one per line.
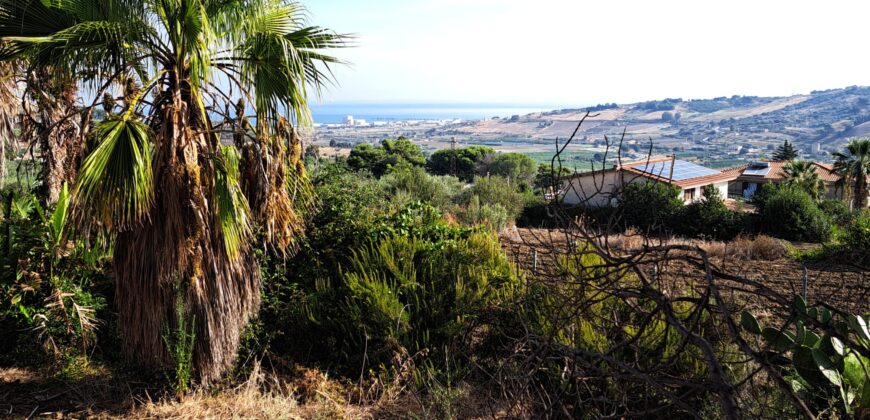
column 601, row 188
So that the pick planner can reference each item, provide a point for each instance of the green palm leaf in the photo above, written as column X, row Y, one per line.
column 115, row 186
column 232, row 206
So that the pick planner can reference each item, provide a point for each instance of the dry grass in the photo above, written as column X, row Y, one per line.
column 263, row 396
column 761, row 247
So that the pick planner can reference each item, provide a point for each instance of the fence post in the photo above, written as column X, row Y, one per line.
column 805, row 281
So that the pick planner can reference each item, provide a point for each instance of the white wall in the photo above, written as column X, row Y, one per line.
column 593, row 189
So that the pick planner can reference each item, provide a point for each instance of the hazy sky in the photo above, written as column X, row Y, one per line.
column 552, row 52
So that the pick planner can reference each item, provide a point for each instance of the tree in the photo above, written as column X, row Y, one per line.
column 517, row 167
column 854, row 166
column 183, row 208
column 547, row 179
column 382, row 159
column 802, row 173
column 464, row 161
column 785, row 152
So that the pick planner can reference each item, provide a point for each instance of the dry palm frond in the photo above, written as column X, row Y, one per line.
column 88, row 322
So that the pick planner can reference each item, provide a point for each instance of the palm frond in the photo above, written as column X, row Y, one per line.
column 232, row 206
column 115, row 185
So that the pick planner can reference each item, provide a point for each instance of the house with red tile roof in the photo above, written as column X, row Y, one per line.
column 601, row 188
column 751, row 176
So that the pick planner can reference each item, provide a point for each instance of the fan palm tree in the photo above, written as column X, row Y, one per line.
column 802, row 173
column 183, row 207
column 50, row 122
column 854, row 166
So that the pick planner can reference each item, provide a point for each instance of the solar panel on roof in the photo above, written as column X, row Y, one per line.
column 682, row 170
column 757, row 169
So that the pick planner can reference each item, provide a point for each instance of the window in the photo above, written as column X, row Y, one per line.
column 689, row 195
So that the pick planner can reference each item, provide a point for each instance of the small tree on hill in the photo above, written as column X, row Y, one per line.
column 785, row 152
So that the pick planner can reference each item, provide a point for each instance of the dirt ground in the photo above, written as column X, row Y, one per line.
column 839, row 284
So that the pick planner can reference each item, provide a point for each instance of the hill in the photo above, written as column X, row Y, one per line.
column 737, row 127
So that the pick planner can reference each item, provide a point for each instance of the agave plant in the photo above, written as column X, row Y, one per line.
column 183, row 208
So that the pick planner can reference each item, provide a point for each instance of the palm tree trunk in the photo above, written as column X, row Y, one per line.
column 860, row 193
column 182, row 244
column 56, row 131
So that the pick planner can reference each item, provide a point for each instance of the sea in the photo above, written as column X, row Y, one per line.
column 336, row 113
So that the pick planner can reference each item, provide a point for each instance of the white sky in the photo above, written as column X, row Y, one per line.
column 575, row 53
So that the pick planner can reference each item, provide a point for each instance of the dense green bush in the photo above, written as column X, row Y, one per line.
column 465, row 160
column 858, row 235
column 415, row 184
column 708, row 218
column 649, row 206
column 838, row 211
column 409, row 294
column 516, row 167
column 495, row 190
column 788, row 212
column 494, row 216
column 406, row 282
column 384, row 158
column 52, row 290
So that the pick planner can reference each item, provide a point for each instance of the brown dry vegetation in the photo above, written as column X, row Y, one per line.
column 763, row 258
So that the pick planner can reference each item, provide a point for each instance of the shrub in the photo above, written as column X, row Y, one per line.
column 493, row 216
column 838, row 211
column 790, row 213
column 415, row 184
column 49, row 285
column 649, row 206
column 708, row 218
column 858, row 234
column 412, row 288
column 384, row 158
column 517, row 167
column 494, row 190
column 464, row 160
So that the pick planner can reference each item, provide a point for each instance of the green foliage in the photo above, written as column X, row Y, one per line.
column 858, row 235
column 854, row 166
column 115, row 182
column 788, row 212
column 494, row 190
column 547, row 179
column 785, row 152
column 415, row 184
column 649, row 206
column 179, row 343
column 838, row 211
column 466, row 160
column 516, row 167
column 389, row 155
column 419, row 293
column 493, row 216
column 820, row 366
column 47, row 282
column 803, row 174
column 708, row 218
column 408, row 282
